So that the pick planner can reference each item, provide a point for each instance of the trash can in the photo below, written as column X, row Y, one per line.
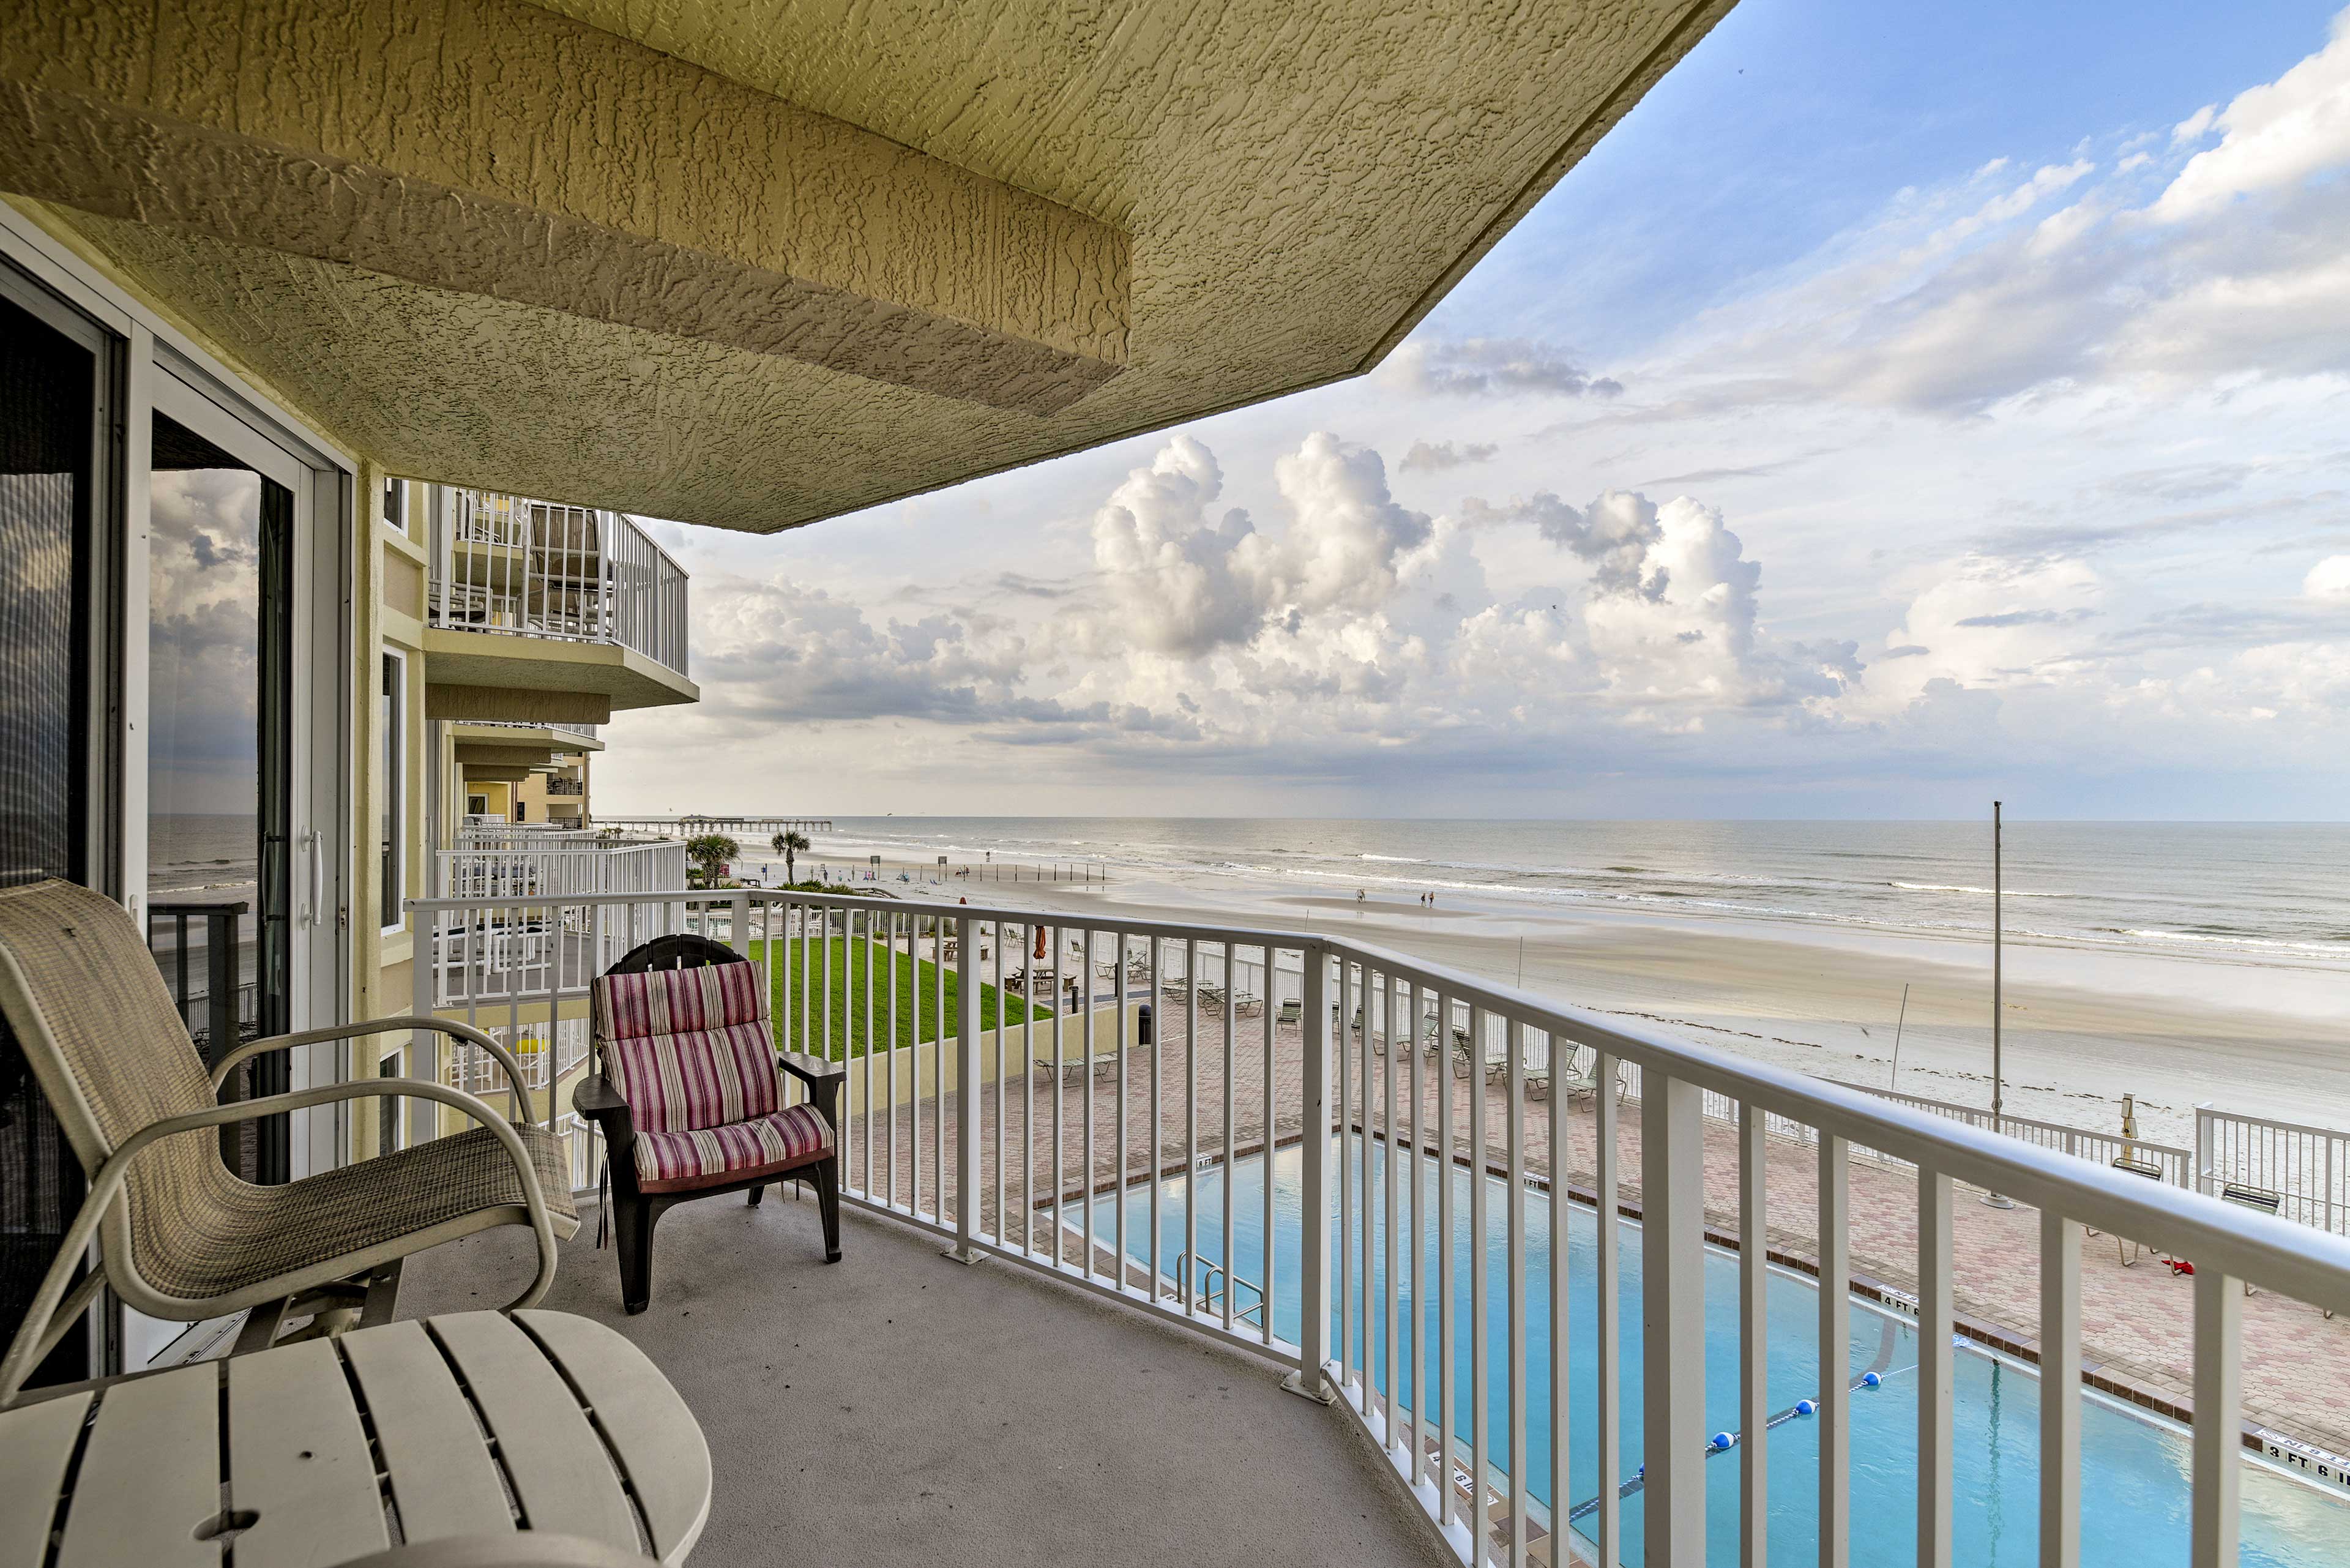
column 1142, row 1024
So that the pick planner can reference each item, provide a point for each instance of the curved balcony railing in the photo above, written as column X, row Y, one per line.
column 540, row 568
column 961, row 1117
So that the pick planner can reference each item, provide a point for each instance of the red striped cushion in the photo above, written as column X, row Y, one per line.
column 688, row 1049
column 669, row 1161
column 678, row 1000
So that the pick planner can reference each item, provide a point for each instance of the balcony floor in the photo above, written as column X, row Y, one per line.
column 899, row 1407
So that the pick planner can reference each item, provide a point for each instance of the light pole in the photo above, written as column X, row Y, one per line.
column 1997, row 1073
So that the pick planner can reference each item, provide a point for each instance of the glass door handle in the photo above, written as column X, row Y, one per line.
column 315, row 843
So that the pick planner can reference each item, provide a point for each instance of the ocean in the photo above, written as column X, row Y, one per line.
column 206, row 854
column 2275, row 892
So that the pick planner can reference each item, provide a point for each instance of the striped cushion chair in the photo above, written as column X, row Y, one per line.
column 688, row 1093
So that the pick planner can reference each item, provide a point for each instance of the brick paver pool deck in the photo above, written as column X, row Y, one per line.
column 2138, row 1320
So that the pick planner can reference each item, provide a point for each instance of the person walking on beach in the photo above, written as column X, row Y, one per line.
column 1362, row 897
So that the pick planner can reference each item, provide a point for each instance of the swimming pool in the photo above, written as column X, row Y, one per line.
column 2133, row 1470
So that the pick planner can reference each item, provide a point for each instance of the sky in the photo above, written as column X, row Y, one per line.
column 1895, row 412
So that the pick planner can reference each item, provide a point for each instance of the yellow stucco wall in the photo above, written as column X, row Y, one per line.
column 1301, row 183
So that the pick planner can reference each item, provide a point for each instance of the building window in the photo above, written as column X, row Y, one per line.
column 392, row 786
column 477, row 805
column 395, row 504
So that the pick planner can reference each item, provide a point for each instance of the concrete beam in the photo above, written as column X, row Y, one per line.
column 517, row 705
column 476, row 774
column 490, row 148
column 473, row 755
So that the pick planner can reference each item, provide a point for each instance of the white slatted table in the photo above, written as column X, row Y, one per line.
column 481, row 1424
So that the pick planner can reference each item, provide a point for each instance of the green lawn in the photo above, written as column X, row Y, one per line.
column 853, row 963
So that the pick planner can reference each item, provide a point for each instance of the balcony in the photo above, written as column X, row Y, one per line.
column 1340, row 1168
column 539, row 611
column 897, row 1407
column 554, row 739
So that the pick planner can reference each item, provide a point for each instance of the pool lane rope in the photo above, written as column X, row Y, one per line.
column 1723, row 1442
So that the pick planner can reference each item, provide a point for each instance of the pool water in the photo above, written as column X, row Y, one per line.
column 2134, row 1471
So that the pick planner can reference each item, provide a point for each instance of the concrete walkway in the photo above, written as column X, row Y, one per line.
column 900, row 1408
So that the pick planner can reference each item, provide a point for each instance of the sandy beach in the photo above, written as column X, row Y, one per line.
column 2084, row 1025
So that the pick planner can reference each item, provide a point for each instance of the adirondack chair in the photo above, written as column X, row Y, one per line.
column 688, row 1093
column 180, row 1236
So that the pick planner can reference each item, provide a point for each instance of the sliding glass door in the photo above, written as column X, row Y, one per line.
column 175, row 691
column 221, row 700
column 54, row 377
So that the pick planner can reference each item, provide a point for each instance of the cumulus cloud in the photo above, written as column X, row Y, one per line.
column 2329, row 579
column 780, row 650
column 1346, row 543
column 1177, row 581
column 1614, row 533
column 1985, row 622
column 2273, row 135
column 1680, row 626
column 1183, row 585
column 1441, row 455
column 1490, row 367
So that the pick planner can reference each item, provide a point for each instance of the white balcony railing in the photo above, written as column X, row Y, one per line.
column 585, row 731
column 1130, row 1177
column 559, row 864
column 537, row 568
column 478, row 1072
column 510, row 921
column 2305, row 1170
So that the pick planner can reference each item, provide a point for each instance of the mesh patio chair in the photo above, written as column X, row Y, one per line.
column 687, row 1090
column 181, row 1238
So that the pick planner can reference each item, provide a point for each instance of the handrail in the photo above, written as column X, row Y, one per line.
column 517, row 565
column 2317, row 1268
column 1310, row 1087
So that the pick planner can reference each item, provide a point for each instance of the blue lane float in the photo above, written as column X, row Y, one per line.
column 1722, row 1440
column 1870, row 1380
column 1807, row 1406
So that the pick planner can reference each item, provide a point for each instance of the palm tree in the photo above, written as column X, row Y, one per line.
column 788, row 844
column 709, row 851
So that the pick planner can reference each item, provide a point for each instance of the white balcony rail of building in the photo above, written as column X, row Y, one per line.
column 538, row 568
column 2306, row 1168
column 480, row 1075
column 549, row 865
column 1306, row 1077
column 583, row 731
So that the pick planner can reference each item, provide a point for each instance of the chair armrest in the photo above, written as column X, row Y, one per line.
column 43, row 1325
column 824, row 1080
column 815, row 1071
column 464, row 1032
column 596, row 1097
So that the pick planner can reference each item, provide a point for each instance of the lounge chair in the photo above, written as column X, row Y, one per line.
column 1585, row 1080
column 1247, row 1004
column 2258, row 1199
column 688, row 1092
column 2130, row 1252
column 1294, row 1011
column 180, row 1236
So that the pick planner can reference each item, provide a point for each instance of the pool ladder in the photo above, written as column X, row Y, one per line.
column 1209, row 1295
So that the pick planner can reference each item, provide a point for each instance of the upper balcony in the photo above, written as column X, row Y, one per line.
column 537, row 611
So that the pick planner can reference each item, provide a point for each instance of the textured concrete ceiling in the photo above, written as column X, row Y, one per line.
column 1298, row 183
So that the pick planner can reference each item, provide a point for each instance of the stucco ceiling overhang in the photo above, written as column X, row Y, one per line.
column 753, row 262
